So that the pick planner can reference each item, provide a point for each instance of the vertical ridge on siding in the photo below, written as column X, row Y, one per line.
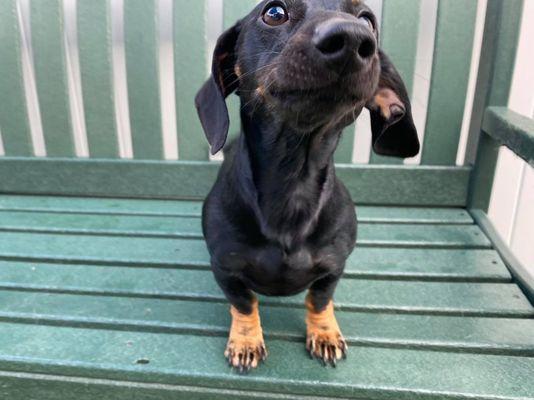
column 141, row 47
column 450, row 76
column 95, row 47
column 51, row 79
column 14, row 122
column 190, row 44
column 399, row 31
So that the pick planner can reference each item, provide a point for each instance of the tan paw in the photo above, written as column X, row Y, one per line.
column 246, row 347
column 324, row 340
column 245, row 354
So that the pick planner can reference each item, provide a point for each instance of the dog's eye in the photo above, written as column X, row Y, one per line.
column 275, row 15
column 367, row 20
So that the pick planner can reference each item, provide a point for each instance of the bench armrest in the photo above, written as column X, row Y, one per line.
column 512, row 130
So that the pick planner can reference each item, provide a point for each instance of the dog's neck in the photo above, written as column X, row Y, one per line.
column 292, row 174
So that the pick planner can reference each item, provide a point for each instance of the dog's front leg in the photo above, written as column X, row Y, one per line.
column 245, row 348
column 324, row 339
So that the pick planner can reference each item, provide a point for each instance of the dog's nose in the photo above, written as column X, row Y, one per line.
column 339, row 40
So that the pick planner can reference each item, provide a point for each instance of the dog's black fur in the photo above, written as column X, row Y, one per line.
column 278, row 221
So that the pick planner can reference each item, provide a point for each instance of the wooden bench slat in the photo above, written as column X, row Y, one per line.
column 48, row 386
column 375, row 184
column 51, row 76
column 184, row 208
column 362, row 295
column 429, row 264
column 450, row 76
column 142, row 51
column 365, row 262
column 14, row 124
column 95, row 51
column 462, row 334
column 399, row 32
column 417, row 235
column 197, row 360
column 345, row 147
column 190, row 73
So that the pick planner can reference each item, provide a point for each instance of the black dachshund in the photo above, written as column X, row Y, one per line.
column 278, row 221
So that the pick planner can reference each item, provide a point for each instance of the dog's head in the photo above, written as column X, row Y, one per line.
column 309, row 64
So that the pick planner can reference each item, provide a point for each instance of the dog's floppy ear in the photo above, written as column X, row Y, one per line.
column 210, row 100
column 394, row 132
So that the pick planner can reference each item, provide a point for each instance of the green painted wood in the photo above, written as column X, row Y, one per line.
column 497, row 62
column 421, row 236
column 364, row 263
column 439, row 298
column 410, row 215
column 426, row 264
column 519, row 270
column 409, row 235
column 190, row 73
column 399, row 33
column 183, row 208
column 51, row 76
column 368, row 373
column 459, row 334
column 404, row 185
column 21, row 386
column 141, row 48
column 95, row 47
column 374, row 185
column 343, row 154
column 512, row 130
column 481, row 182
column 13, row 113
column 450, row 76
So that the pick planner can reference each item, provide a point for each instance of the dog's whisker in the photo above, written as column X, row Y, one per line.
column 246, row 74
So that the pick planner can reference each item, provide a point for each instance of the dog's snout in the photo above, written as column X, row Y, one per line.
column 339, row 40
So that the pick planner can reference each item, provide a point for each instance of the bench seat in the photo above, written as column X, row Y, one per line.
column 113, row 299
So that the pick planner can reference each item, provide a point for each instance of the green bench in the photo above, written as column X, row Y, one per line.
column 105, row 288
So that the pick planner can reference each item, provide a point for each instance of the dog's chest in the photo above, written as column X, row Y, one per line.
column 291, row 217
column 271, row 271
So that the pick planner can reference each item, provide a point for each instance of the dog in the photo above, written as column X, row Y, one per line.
column 277, row 221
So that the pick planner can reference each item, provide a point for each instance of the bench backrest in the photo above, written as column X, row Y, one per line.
column 61, row 62
column 454, row 32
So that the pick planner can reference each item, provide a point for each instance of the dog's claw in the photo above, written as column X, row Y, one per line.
column 244, row 357
column 327, row 347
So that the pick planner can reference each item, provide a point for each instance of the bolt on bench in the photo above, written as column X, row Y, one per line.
column 105, row 288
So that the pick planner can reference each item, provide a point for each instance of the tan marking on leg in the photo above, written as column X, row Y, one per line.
column 246, row 347
column 324, row 339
